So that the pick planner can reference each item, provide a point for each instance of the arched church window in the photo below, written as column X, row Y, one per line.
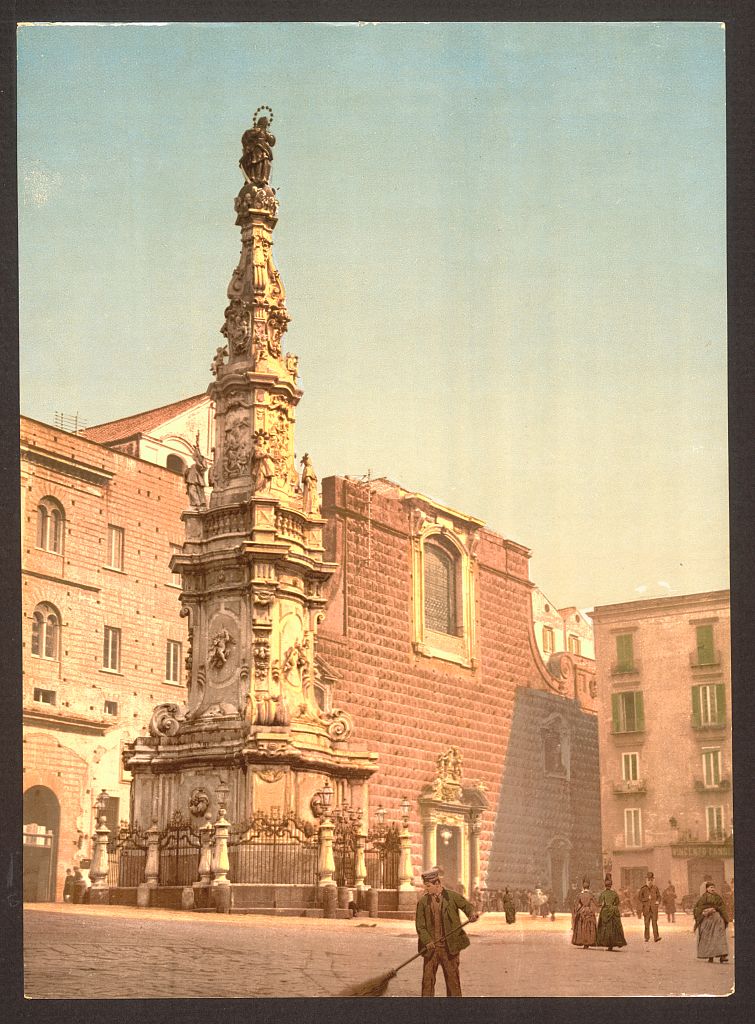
column 175, row 464
column 442, row 589
column 50, row 520
column 45, row 632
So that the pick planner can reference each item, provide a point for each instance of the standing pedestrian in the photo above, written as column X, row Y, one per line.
column 610, row 932
column 507, row 904
column 583, row 922
column 68, row 886
column 649, row 898
column 441, row 937
column 711, row 920
column 669, row 902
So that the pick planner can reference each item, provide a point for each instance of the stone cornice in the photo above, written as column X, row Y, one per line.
column 69, row 467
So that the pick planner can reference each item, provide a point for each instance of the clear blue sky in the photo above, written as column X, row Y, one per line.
column 503, row 246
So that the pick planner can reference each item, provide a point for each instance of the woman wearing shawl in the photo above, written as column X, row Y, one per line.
column 711, row 920
column 610, row 931
column 584, row 931
column 509, row 908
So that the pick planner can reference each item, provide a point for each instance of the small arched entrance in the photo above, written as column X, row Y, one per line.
column 40, row 835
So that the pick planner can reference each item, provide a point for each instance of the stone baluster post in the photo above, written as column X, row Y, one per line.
column 429, row 842
column 205, row 854
column 152, row 865
column 100, row 892
column 327, row 865
column 407, row 896
column 360, row 864
column 221, row 865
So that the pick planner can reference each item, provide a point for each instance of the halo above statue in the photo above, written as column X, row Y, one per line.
column 257, row 111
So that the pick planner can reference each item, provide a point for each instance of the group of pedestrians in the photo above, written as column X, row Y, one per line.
column 597, row 922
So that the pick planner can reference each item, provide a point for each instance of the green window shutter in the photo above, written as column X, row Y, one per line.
column 696, row 718
column 615, row 712
column 720, row 704
column 639, row 711
column 624, row 650
column 705, row 645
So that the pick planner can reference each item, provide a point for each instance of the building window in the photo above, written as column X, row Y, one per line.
column 175, row 577
column 628, row 711
column 708, row 705
column 630, row 767
column 175, row 464
column 50, row 520
column 173, row 662
column 633, row 826
column 111, row 650
column 711, row 767
column 115, row 536
column 44, row 696
column 624, row 653
column 715, row 819
column 548, row 640
column 442, row 590
column 45, row 633
column 573, row 644
column 111, row 707
column 705, row 652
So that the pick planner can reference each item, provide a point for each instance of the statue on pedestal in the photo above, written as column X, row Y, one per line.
column 258, row 145
column 194, row 477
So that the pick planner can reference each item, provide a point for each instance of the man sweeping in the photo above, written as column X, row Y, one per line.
column 441, row 936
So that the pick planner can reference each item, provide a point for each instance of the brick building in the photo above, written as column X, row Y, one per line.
column 664, row 685
column 102, row 638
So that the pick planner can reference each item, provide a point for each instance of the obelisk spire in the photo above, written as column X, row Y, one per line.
column 255, row 390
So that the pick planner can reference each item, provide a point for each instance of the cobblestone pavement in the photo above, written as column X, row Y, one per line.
column 124, row 953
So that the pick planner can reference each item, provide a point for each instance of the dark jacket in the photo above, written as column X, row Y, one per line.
column 451, row 904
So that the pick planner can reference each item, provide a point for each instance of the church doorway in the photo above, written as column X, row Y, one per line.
column 448, row 847
column 40, row 838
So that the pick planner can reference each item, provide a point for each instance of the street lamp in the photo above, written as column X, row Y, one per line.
column 380, row 815
column 405, row 808
column 100, row 805
column 221, row 793
column 327, row 795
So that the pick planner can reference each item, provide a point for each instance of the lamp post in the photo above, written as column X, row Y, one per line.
column 327, row 865
column 99, row 869
column 220, row 862
column 406, row 894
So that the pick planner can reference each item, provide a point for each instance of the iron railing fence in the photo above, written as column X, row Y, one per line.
column 178, row 848
column 382, row 856
column 274, row 850
column 127, row 856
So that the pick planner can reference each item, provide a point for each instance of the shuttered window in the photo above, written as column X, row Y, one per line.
column 706, row 655
column 624, row 652
column 628, row 712
column 441, row 591
column 708, row 705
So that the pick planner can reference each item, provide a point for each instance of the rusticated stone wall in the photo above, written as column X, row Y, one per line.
column 540, row 810
column 409, row 707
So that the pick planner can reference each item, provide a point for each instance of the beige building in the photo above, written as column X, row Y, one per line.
column 664, row 684
column 561, row 629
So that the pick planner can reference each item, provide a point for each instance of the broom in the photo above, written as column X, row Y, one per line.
column 375, row 987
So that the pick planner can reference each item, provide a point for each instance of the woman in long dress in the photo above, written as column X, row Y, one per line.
column 508, row 906
column 711, row 920
column 610, row 931
column 584, row 928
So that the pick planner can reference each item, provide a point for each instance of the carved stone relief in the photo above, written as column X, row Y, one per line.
column 238, row 326
column 237, row 447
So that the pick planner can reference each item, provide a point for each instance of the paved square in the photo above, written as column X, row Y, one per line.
column 125, row 953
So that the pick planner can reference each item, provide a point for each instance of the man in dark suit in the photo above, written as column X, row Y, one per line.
column 650, row 898
column 441, row 937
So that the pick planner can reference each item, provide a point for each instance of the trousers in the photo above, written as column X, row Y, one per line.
column 450, row 965
column 650, row 914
